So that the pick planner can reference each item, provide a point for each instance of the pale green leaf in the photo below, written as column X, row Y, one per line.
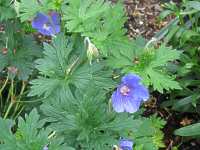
column 191, row 130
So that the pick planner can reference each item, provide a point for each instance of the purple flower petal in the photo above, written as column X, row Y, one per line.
column 45, row 32
column 131, row 80
column 141, row 92
column 55, row 18
column 57, row 29
column 126, row 144
column 39, row 21
column 131, row 105
column 117, row 102
column 47, row 25
column 129, row 94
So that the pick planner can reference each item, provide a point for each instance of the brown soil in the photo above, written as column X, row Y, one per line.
column 143, row 17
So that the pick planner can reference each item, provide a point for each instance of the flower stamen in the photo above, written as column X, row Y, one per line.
column 124, row 90
column 46, row 26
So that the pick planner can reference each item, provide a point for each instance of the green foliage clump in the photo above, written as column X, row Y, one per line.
column 29, row 134
column 94, row 19
column 6, row 10
column 29, row 8
column 65, row 64
column 17, row 51
column 183, row 33
column 84, row 120
column 149, row 136
column 150, row 63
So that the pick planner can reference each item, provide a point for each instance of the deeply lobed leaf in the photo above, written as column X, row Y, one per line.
column 64, row 65
column 29, row 135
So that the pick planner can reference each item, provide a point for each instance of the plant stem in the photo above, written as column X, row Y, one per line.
column 19, row 97
column 181, row 19
column 16, row 116
column 68, row 71
column 4, row 85
column 34, row 101
column 109, row 105
column 10, row 95
column 8, row 110
column 51, row 135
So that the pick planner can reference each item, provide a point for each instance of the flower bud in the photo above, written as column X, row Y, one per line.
column 12, row 70
column 4, row 51
column 92, row 51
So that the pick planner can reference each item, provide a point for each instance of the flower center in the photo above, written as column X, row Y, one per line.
column 124, row 90
column 46, row 26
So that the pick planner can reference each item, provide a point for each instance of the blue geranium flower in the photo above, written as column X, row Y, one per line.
column 129, row 94
column 45, row 147
column 47, row 24
column 126, row 144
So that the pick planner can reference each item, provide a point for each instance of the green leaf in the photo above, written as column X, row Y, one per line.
column 6, row 10
column 150, row 64
column 152, row 68
column 165, row 13
column 193, row 4
column 64, row 65
column 188, row 35
column 3, row 62
column 183, row 104
column 6, row 129
column 148, row 135
column 29, row 134
column 84, row 121
column 94, row 19
column 29, row 8
column 118, row 125
column 81, row 16
column 191, row 130
column 110, row 38
column 163, row 55
column 44, row 86
column 170, row 29
column 126, row 58
column 21, row 52
column 161, row 81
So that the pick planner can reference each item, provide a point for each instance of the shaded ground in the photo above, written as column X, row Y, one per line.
column 142, row 17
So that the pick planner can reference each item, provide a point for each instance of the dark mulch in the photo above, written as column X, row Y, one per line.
column 142, row 17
